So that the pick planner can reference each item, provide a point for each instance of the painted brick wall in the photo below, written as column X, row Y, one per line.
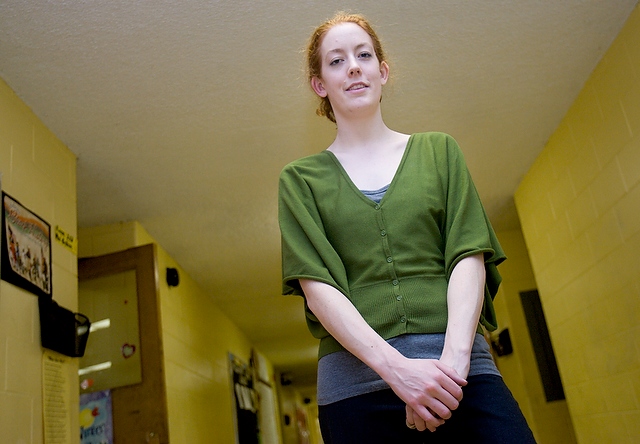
column 39, row 172
column 580, row 211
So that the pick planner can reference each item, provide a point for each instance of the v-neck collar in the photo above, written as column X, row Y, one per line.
column 356, row 190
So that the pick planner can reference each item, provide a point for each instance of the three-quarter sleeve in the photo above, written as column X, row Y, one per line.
column 306, row 252
column 468, row 231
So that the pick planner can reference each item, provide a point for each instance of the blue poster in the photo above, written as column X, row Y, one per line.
column 96, row 423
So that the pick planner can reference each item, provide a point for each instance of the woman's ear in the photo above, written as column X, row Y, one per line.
column 384, row 72
column 318, row 87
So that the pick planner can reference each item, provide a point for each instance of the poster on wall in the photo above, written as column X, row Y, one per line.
column 96, row 423
column 26, row 248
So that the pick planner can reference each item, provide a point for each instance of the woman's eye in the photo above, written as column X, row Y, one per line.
column 365, row 55
column 334, row 62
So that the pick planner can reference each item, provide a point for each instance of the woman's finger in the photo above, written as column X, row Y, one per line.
column 425, row 419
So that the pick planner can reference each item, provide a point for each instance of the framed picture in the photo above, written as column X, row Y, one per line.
column 26, row 248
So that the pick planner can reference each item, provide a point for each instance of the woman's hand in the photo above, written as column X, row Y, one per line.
column 431, row 390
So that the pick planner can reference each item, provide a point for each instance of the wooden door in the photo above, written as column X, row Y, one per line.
column 139, row 410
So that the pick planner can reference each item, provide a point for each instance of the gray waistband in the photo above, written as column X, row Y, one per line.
column 341, row 375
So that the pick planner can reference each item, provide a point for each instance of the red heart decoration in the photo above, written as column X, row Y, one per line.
column 128, row 350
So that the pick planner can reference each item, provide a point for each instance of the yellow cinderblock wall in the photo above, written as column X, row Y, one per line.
column 39, row 172
column 550, row 421
column 197, row 338
column 579, row 207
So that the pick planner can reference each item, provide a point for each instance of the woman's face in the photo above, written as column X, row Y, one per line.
column 351, row 74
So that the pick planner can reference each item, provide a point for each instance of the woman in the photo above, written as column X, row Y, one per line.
column 384, row 236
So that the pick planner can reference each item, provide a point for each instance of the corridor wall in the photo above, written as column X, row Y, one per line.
column 550, row 421
column 40, row 172
column 197, row 338
column 579, row 207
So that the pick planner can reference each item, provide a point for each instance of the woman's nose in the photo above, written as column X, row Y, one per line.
column 354, row 67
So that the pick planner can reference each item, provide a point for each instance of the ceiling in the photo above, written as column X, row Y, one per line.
column 183, row 113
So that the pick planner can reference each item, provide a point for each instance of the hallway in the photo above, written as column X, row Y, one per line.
column 572, row 234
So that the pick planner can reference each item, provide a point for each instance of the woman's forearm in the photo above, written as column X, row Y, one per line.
column 343, row 321
column 465, row 296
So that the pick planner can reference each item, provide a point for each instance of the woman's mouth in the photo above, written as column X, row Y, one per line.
column 356, row 87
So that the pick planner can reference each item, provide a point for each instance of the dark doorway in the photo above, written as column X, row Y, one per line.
column 542, row 347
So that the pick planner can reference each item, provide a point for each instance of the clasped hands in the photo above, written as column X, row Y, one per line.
column 431, row 391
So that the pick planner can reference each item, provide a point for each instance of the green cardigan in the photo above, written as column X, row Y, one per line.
column 392, row 260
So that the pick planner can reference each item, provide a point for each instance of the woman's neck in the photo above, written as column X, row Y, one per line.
column 363, row 134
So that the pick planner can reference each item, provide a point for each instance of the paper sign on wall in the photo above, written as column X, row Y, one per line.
column 67, row 240
column 55, row 387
